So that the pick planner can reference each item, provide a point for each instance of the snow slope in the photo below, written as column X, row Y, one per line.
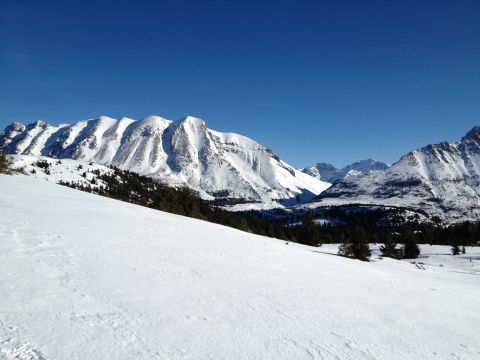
column 86, row 277
column 218, row 165
column 66, row 170
column 441, row 179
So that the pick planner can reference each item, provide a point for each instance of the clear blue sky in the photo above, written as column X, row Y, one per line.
column 333, row 81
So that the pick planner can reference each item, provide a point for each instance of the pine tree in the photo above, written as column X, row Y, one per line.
column 389, row 248
column 455, row 248
column 243, row 225
column 310, row 232
column 411, row 250
column 361, row 247
column 346, row 248
column 357, row 247
column 6, row 165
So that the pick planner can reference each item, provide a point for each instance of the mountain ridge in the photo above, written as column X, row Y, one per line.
column 442, row 179
column 185, row 152
column 330, row 173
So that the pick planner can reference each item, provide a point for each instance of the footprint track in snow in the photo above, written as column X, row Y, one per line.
column 345, row 350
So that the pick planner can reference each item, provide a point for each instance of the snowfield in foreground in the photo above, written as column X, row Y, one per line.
column 86, row 277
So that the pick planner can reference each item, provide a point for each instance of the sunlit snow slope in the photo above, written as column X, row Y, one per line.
column 85, row 277
column 218, row 165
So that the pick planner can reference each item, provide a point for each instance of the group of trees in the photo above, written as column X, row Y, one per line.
column 410, row 249
column 404, row 243
column 356, row 245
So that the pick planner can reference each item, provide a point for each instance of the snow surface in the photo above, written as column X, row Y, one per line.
column 86, row 277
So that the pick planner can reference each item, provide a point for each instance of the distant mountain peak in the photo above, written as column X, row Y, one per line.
column 328, row 172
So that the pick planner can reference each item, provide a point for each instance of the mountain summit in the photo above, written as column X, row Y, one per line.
column 219, row 166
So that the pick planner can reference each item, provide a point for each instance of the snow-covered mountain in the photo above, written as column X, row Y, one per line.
column 218, row 165
column 441, row 179
column 329, row 173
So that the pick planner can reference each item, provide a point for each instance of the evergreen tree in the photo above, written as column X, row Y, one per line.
column 310, row 232
column 6, row 166
column 455, row 248
column 389, row 248
column 361, row 248
column 346, row 248
column 411, row 250
column 356, row 247
column 243, row 225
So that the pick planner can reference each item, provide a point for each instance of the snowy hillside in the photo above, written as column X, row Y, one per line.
column 441, row 179
column 218, row 165
column 329, row 173
column 56, row 170
column 85, row 277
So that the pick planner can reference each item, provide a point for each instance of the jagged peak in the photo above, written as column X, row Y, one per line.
column 371, row 164
column 323, row 166
column 15, row 126
column 473, row 134
column 38, row 123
